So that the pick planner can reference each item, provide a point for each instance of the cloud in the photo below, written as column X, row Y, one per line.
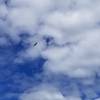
column 77, row 58
column 78, row 33
column 72, row 25
column 46, row 93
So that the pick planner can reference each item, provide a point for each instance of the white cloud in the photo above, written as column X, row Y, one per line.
column 78, row 60
column 43, row 93
column 72, row 24
column 79, row 28
column 32, row 4
column 74, row 27
column 22, row 20
column 3, row 11
column 47, row 93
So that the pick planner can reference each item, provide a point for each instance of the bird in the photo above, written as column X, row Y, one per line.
column 35, row 44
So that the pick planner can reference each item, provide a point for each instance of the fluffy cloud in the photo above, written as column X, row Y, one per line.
column 72, row 25
column 79, row 59
column 76, row 39
column 46, row 93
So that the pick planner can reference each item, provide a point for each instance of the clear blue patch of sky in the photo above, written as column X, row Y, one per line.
column 15, row 78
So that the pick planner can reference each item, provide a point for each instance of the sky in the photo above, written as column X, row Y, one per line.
column 49, row 49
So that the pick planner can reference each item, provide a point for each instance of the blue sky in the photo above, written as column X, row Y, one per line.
column 16, row 78
column 49, row 50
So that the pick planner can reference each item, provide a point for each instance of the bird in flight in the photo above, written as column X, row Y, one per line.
column 35, row 44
